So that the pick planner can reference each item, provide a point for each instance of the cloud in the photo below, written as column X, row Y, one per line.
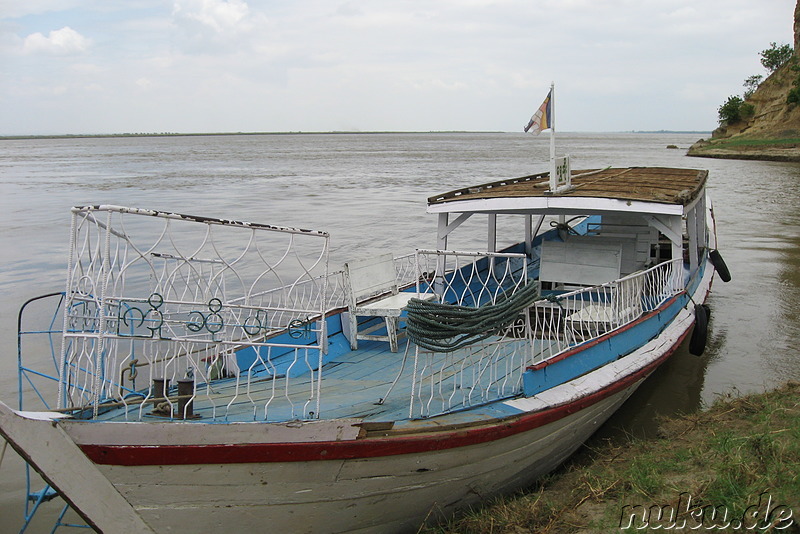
column 65, row 41
column 215, row 26
column 217, row 15
column 239, row 65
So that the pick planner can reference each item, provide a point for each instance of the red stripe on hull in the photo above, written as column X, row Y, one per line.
column 346, row 450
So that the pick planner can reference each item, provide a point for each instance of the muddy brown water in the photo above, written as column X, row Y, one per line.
column 369, row 191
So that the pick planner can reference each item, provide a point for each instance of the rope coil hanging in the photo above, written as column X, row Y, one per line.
column 449, row 327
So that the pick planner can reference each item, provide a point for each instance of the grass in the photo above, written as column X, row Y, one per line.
column 744, row 143
column 741, row 458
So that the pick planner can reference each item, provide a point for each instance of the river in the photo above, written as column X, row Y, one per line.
column 369, row 191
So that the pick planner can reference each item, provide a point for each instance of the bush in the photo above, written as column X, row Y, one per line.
column 794, row 96
column 775, row 56
column 731, row 110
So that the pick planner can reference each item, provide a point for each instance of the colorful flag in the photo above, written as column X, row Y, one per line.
column 543, row 118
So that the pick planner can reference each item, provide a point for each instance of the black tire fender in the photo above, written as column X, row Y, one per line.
column 697, row 343
column 719, row 265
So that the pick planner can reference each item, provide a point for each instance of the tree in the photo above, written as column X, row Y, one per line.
column 776, row 56
column 734, row 110
column 751, row 84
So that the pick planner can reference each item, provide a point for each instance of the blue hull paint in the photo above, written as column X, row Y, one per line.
column 613, row 346
column 601, row 351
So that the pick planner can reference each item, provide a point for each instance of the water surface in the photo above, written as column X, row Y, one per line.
column 369, row 191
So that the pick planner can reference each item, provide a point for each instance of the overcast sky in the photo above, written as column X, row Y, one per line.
column 112, row 66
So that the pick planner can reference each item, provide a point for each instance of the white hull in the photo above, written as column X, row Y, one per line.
column 385, row 494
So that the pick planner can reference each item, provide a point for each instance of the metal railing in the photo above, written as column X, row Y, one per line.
column 563, row 321
column 197, row 301
column 482, row 371
column 176, row 296
column 492, row 368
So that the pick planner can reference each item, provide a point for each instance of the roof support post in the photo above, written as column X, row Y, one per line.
column 701, row 223
column 491, row 243
column 528, row 234
column 692, row 228
column 669, row 225
column 672, row 227
column 446, row 228
column 442, row 232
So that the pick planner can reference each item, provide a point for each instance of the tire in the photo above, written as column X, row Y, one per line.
column 697, row 343
column 719, row 265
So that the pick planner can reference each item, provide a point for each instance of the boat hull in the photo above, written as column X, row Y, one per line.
column 394, row 493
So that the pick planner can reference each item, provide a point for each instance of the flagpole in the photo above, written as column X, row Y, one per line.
column 552, row 124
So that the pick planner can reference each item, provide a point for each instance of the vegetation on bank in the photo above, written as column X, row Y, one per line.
column 736, row 108
column 743, row 144
column 748, row 142
column 732, row 468
column 765, row 149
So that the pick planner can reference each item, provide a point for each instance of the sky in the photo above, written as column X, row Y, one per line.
column 190, row 66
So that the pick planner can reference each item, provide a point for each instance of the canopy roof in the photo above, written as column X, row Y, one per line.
column 634, row 189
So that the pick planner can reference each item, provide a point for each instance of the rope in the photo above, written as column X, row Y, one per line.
column 449, row 327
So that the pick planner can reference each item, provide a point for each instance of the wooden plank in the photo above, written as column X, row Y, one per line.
column 51, row 452
column 371, row 276
column 649, row 184
column 177, row 433
column 578, row 262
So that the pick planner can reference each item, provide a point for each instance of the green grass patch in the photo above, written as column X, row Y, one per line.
column 743, row 143
column 737, row 462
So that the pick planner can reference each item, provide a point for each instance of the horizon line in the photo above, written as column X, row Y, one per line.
column 331, row 132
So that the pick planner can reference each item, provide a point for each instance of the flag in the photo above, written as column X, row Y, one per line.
column 543, row 118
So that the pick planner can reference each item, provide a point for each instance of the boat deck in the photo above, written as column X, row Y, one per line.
column 355, row 384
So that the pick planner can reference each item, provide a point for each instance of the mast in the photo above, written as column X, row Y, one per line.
column 552, row 124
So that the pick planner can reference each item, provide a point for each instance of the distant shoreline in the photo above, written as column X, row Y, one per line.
column 784, row 150
column 213, row 134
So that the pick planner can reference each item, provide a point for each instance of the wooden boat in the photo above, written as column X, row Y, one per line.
column 212, row 374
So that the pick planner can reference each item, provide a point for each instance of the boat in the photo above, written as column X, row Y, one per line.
column 209, row 374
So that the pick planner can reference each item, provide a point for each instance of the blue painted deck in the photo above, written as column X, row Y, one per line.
column 353, row 385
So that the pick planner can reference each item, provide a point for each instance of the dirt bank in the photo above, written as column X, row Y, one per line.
column 764, row 150
column 732, row 468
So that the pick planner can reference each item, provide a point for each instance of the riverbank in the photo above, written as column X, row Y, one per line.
column 732, row 468
column 747, row 148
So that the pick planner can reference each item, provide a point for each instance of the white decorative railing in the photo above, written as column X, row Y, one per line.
column 175, row 295
column 468, row 278
column 406, row 268
column 235, row 314
column 492, row 368
column 565, row 320
column 485, row 370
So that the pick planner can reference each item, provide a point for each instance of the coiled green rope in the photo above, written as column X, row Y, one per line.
column 449, row 327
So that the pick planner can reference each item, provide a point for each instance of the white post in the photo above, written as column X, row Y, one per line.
column 528, row 234
column 441, row 238
column 441, row 243
column 491, row 244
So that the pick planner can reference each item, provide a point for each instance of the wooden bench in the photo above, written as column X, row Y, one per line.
column 582, row 261
column 372, row 291
column 579, row 262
